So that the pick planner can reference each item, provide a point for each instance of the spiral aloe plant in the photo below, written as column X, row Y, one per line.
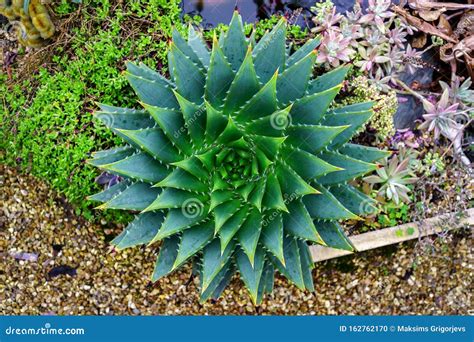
column 236, row 162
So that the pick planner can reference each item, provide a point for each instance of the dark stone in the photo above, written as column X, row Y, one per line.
column 411, row 109
column 62, row 270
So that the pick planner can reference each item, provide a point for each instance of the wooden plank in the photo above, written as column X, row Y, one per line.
column 393, row 235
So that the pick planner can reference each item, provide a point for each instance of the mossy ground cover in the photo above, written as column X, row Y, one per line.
column 47, row 124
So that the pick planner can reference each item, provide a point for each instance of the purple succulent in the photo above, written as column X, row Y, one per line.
column 327, row 20
column 334, row 48
column 439, row 117
column 381, row 82
column 407, row 137
column 107, row 180
column 396, row 36
column 377, row 13
column 370, row 57
column 411, row 57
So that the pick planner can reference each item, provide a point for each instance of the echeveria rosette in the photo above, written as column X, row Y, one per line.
column 236, row 163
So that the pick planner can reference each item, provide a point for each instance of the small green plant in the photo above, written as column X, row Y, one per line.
column 431, row 163
column 235, row 162
column 392, row 215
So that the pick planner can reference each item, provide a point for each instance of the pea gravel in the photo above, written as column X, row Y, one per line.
column 434, row 276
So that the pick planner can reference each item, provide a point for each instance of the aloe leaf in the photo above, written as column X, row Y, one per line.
column 354, row 122
column 194, row 166
column 111, row 192
column 220, row 196
column 333, row 235
column 273, row 198
column 219, row 76
column 325, row 206
column 234, row 44
column 355, row 107
column 270, row 52
column 292, row 269
column 143, row 71
column 140, row 231
column 152, row 92
column 249, row 234
column 306, row 265
column 232, row 226
column 111, row 156
column 178, row 220
column 137, row 196
column 199, row 46
column 272, row 234
column 224, row 211
column 363, row 153
column 291, row 183
column 328, row 80
column 194, row 118
column 180, row 179
column 263, row 103
column 266, row 282
column 251, row 273
column 139, row 166
column 213, row 261
column 354, row 200
column 219, row 283
column 310, row 109
column 185, row 48
column 257, row 194
column 207, row 158
column 124, row 118
column 303, row 51
column 166, row 258
column 172, row 123
column 153, row 141
column 299, row 224
column 175, row 198
column 188, row 76
column 312, row 138
column 231, row 133
column 306, row 164
column 352, row 168
column 215, row 123
column 269, row 145
column 192, row 241
column 243, row 87
column 263, row 161
column 272, row 125
column 292, row 83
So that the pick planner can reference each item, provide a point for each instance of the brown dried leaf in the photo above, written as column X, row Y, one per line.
column 431, row 15
column 430, row 5
column 419, row 41
column 421, row 24
column 444, row 25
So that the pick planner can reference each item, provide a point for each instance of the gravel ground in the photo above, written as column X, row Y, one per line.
column 76, row 273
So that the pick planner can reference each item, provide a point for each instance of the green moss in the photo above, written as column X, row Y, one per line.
column 51, row 134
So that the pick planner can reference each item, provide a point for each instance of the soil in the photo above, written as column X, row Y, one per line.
column 71, row 270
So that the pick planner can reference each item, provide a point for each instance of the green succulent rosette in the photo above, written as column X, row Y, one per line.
column 236, row 163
